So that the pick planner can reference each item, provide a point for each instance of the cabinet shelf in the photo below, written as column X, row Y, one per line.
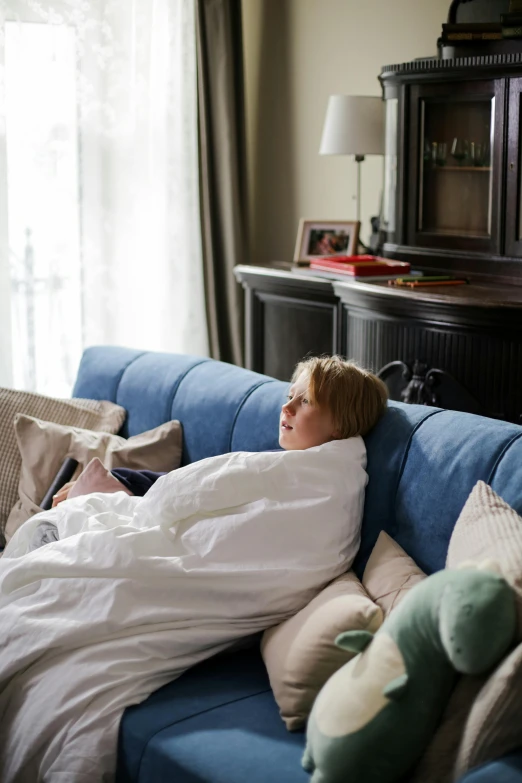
column 456, row 232
column 459, row 168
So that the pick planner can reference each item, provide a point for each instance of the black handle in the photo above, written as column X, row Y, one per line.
column 64, row 475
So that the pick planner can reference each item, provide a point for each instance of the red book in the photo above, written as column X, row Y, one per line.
column 362, row 259
column 360, row 266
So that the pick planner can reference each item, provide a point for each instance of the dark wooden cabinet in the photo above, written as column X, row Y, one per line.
column 452, row 165
column 458, row 348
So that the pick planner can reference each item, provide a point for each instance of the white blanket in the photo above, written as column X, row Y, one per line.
column 137, row 590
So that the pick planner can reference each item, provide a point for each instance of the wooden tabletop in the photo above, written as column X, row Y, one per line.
column 472, row 294
column 469, row 294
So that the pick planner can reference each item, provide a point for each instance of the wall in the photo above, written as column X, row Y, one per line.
column 297, row 53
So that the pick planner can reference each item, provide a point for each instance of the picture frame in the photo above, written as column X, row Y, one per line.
column 317, row 238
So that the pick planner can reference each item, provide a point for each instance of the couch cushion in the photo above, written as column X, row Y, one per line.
column 387, row 446
column 505, row 770
column 506, row 478
column 224, row 706
column 422, row 464
column 205, row 432
column 445, row 460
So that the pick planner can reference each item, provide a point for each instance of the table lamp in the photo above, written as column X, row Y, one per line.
column 354, row 125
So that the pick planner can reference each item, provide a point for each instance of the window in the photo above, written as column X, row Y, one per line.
column 43, row 208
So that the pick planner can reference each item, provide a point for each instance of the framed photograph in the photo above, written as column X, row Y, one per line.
column 317, row 238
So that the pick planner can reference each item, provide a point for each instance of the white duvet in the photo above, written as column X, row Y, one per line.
column 137, row 590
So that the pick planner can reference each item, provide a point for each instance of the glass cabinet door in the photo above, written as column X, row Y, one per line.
column 454, row 181
column 514, row 169
column 390, row 169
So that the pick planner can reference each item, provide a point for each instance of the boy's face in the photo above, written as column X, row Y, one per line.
column 302, row 424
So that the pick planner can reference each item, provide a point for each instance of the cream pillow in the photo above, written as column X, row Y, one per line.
column 488, row 528
column 91, row 414
column 390, row 573
column 44, row 446
column 300, row 653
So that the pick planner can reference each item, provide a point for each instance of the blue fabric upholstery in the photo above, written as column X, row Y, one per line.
column 506, row 770
column 207, row 397
column 422, row 464
column 446, row 453
column 222, row 706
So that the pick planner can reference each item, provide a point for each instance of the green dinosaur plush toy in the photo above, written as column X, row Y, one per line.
column 374, row 717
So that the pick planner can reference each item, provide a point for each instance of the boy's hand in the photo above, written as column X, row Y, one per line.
column 63, row 493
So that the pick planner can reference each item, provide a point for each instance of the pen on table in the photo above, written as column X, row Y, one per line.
column 424, row 278
column 419, row 284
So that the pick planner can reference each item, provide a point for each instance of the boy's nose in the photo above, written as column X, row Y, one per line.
column 287, row 407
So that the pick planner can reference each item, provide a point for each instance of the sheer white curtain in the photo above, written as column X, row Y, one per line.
column 99, row 217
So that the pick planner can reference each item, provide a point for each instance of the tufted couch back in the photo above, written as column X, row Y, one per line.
column 422, row 462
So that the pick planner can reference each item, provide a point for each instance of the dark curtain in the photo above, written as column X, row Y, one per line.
column 222, row 160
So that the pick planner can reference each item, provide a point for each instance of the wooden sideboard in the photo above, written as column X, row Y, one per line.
column 457, row 347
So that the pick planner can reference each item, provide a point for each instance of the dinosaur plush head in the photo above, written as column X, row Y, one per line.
column 477, row 619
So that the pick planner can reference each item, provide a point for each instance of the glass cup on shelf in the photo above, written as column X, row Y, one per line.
column 481, row 156
column 441, row 153
column 486, row 159
column 434, row 147
column 460, row 150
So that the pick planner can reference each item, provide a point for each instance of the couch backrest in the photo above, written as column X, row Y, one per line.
column 422, row 462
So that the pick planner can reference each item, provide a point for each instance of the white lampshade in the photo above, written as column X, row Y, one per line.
column 354, row 125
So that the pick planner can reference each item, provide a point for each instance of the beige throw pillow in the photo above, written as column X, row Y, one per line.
column 492, row 728
column 91, row 414
column 44, row 446
column 489, row 529
column 300, row 653
column 390, row 573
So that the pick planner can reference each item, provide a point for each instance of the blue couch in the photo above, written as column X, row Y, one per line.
column 219, row 723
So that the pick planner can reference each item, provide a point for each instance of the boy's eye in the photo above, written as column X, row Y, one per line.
column 299, row 398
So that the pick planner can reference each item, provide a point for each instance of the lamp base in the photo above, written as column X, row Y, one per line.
column 359, row 159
